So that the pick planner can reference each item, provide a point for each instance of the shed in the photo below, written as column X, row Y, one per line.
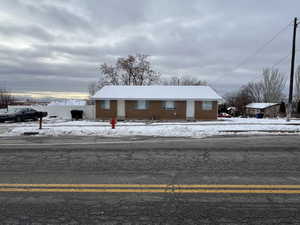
column 265, row 108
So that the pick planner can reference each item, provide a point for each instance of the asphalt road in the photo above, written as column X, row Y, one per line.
column 94, row 180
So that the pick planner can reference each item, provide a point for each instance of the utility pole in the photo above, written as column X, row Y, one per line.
column 289, row 112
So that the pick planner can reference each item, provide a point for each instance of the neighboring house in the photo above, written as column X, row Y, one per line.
column 157, row 103
column 267, row 109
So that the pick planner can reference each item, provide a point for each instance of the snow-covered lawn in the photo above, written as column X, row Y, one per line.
column 198, row 129
column 220, row 121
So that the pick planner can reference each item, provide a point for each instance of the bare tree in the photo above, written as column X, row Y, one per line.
column 171, row 81
column 5, row 98
column 110, row 75
column 269, row 89
column 184, row 81
column 273, row 85
column 136, row 70
column 239, row 99
column 255, row 91
column 92, row 88
column 131, row 70
column 187, row 80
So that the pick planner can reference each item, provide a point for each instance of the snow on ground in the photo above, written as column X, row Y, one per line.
column 232, row 126
column 222, row 121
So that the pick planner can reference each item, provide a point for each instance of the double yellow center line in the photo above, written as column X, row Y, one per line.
column 154, row 188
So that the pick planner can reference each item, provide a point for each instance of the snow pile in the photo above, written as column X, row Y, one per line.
column 163, row 130
column 67, row 102
column 253, row 120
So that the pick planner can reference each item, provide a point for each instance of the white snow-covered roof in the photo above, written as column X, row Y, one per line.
column 157, row 93
column 260, row 105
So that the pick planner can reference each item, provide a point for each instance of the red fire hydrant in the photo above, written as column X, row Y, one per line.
column 113, row 123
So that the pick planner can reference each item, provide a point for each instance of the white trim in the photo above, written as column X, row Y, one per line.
column 121, row 109
column 190, row 109
column 160, row 99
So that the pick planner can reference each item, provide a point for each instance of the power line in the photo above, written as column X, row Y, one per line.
column 281, row 60
column 262, row 47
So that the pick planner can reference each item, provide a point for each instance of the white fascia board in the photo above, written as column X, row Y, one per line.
column 160, row 99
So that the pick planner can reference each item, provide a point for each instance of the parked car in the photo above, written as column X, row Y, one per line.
column 21, row 114
column 224, row 115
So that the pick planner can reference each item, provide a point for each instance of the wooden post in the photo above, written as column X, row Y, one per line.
column 289, row 109
column 41, row 122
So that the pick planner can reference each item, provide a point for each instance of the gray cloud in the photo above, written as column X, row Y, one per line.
column 58, row 45
column 10, row 30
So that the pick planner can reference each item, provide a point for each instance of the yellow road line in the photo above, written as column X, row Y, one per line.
column 90, row 185
column 219, row 191
column 173, row 186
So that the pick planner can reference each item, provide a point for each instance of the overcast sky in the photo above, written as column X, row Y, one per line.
column 57, row 45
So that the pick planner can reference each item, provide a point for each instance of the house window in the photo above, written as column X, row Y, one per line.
column 105, row 104
column 207, row 106
column 169, row 105
column 141, row 104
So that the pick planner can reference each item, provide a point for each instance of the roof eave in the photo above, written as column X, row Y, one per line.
column 163, row 99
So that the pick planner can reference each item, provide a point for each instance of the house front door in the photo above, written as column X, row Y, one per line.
column 190, row 110
column 121, row 109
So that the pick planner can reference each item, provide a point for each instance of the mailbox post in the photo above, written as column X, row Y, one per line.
column 40, row 116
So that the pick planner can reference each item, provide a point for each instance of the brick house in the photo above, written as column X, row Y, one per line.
column 267, row 109
column 156, row 103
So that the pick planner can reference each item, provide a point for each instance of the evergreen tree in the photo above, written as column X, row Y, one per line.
column 282, row 108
